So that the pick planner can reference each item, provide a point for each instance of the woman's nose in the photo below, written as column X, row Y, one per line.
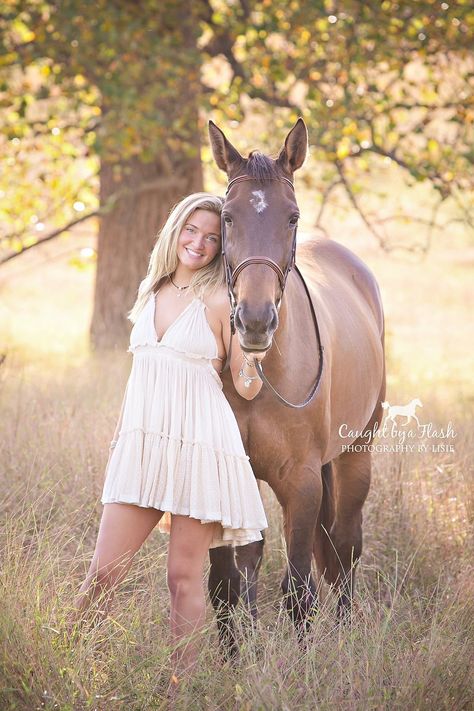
column 198, row 241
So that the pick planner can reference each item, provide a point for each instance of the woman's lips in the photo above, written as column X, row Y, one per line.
column 192, row 253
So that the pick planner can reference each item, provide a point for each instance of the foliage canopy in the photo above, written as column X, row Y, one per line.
column 84, row 82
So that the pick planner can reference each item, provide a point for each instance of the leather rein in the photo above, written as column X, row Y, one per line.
column 231, row 278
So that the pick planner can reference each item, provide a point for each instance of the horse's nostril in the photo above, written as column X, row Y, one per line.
column 237, row 319
column 274, row 321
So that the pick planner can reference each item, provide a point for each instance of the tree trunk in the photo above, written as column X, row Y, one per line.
column 127, row 233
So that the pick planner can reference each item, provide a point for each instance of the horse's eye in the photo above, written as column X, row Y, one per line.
column 294, row 220
column 228, row 220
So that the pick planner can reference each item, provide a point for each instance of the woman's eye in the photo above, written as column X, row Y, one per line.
column 189, row 229
column 211, row 238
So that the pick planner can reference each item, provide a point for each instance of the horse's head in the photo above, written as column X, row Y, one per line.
column 259, row 220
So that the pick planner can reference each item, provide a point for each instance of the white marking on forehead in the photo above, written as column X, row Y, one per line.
column 258, row 202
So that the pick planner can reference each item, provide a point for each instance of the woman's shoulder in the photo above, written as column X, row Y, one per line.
column 218, row 298
column 218, row 302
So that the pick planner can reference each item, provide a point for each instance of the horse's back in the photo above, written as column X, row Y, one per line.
column 330, row 265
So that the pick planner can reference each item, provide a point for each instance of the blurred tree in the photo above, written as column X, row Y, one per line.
column 118, row 81
column 115, row 87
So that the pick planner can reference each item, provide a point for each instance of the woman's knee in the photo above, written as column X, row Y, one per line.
column 189, row 546
column 182, row 576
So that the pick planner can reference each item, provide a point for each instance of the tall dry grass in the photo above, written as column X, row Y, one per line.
column 408, row 644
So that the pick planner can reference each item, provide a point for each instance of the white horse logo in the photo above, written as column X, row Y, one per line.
column 407, row 411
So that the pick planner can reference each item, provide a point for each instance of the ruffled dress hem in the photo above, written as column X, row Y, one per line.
column 226, row 536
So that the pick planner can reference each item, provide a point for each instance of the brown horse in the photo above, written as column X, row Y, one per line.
column 303, row 454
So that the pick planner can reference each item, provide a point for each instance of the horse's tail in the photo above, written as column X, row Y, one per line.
column 323, row 548
column 385, row 405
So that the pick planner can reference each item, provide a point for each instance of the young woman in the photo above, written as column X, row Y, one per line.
column 177, row 448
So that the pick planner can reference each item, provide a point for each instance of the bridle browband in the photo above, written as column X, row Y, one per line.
column 231, row 278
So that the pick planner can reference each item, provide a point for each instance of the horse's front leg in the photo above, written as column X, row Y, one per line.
column 300, row 496
column 249, row 560
column 224, row 591
column 352, row 474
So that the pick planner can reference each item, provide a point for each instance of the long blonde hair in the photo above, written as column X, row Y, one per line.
column 164, row 257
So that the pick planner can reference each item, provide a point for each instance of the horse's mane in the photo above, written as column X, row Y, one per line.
column 261, row 167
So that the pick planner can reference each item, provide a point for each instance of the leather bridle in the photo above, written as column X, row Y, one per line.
column 231, row 278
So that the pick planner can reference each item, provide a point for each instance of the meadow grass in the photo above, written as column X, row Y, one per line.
column 408, row 642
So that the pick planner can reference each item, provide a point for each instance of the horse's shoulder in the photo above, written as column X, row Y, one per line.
column 337, row 264
column 332, row 253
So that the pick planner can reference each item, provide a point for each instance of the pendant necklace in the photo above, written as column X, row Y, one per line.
column 181, row 289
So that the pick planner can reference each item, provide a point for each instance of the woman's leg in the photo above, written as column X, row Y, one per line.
column 188, row 550
column 123, row 529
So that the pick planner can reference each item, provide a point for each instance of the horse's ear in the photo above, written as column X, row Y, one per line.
column 224, row 152
column 293, row 153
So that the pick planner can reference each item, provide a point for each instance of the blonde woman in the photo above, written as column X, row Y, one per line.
column 177, row 449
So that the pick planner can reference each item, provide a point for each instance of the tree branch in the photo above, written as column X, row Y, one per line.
column 52, row 235
column 40, row 128
column 325, row 197
column 105, row 209
column 357, row 207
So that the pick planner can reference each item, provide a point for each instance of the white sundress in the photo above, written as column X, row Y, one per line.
column 179, row 449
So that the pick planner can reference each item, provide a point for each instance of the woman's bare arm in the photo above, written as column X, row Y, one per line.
column 241, row 366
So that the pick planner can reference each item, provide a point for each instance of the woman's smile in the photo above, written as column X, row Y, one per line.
column 193, row 253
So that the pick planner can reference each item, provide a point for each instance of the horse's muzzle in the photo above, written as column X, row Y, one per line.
column 256, row 327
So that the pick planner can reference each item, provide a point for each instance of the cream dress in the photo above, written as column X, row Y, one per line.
column 179, row 449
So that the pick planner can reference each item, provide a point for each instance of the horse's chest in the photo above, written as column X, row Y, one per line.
column 274, row 443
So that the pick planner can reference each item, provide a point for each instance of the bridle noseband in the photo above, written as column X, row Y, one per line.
column 231, row 278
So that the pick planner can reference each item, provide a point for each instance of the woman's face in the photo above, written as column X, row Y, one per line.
column 200, row 240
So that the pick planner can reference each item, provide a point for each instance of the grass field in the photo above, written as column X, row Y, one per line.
column 409, row 642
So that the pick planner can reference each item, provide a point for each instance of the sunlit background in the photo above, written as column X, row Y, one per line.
column 104, row 112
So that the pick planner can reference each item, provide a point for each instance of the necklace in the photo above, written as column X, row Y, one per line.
column 181, row 289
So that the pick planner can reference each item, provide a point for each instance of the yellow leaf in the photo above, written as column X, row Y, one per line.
column 79, row 80
column 343, row 149
column 350, row 128
column 206, row 154
column 22, row 30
